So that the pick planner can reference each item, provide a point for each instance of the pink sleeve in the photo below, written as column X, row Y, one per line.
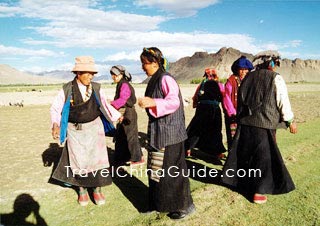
column 170, row 103
column 227, row 103
column 221, row 87
column 125, row 94
column 56, row 108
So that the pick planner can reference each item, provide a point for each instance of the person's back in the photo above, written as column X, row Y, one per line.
column 257, row 104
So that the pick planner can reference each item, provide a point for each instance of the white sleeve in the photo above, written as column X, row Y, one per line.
column 283, row 101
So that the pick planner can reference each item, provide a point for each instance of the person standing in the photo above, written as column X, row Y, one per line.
column 127, row 146
column 80, row 118
column 263, row 106
column 166, row 136
column 204, row 130
column 240, row 68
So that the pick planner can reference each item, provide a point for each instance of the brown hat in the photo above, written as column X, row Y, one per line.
column 84, row 63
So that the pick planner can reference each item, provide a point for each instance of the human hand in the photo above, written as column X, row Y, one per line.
column 120, row 119
column 146, row 102
column 293, row 127
column 55, row 131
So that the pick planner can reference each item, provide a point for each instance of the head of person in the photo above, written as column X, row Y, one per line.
column 269, row 60
column 84, row 69
column 241, row 67
column 119, row 72
column 210, row 74
column 152, row 60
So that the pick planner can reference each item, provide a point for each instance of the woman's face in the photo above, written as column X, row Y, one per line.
column 116, row 78
column 243, row 72
column 149, row 67
column 85, row 77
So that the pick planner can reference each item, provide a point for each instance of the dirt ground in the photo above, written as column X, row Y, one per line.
column 25, row 136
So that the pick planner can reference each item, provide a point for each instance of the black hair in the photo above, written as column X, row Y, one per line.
column 153, row 54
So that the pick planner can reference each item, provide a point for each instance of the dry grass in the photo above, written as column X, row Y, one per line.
column 25, row 136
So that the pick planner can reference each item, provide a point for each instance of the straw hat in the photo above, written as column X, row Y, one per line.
column 85, row 63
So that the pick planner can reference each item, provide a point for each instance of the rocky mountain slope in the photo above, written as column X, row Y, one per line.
column 188, row 68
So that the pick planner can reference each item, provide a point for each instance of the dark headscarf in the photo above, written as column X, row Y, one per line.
column 242, row 62
column 119, row 69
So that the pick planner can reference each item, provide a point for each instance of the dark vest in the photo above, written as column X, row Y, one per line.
column 67, row 88
column 132, row 100
column 257, row 104
column 169, row 129
column 82, row 112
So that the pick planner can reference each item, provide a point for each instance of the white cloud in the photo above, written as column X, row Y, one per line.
column 134, row 56
column 179, row 7
column 80, row 15
column 9, row 50
column 8, row 11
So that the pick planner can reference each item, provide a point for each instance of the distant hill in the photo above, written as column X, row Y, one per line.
column 9, row 75
column 188, row 68
column 184, row 70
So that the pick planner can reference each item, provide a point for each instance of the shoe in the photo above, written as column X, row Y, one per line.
column 177, row 215
column 83, row 199
column 183, row 213
column 99, row 198
column 259, row 199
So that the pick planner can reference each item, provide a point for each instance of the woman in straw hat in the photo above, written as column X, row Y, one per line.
column 81, row 117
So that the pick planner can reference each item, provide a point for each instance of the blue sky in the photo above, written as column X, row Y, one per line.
column 43, row 35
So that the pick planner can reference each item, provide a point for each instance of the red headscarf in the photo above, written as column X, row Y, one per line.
column 210, row 72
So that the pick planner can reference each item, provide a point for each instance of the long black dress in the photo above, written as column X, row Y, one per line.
column 127, row 146
column 204, row 130
column 256, row 155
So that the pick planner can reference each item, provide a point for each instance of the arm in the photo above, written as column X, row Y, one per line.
column 163, row 106
column 125, row 94
column 283, row 103
column 227, row 103
column 55, row 114
column 170, row 103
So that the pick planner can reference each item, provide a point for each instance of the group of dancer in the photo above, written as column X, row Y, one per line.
column 255, row 103
column 81, row 117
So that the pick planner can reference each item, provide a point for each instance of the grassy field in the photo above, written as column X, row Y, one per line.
column 26, row 144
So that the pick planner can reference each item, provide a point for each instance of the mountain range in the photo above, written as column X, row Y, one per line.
column 188, row 68
column 184, row 69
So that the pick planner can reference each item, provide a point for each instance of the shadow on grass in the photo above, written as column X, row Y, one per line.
column 207, row 157
column 210, row 175
column 24, row 205
column 130, row 186
column 50, row 158
column 204, row 173
column 133, row 189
